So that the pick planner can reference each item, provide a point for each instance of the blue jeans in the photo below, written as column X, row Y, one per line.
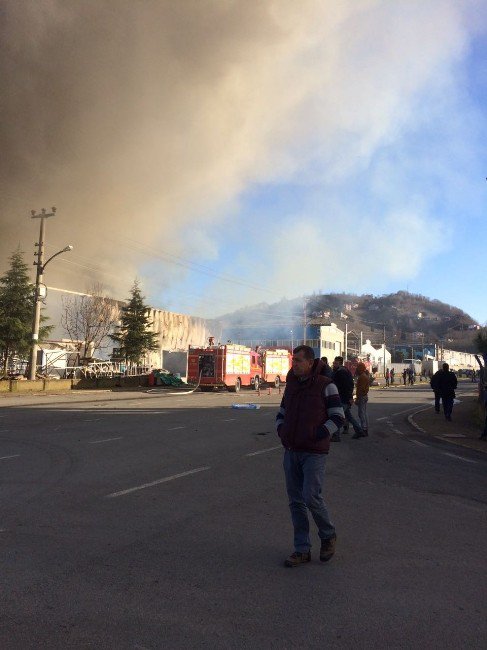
column 305, row 474
column 362, row 412
column 347, row 410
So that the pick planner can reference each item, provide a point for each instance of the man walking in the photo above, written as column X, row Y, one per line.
column 342, row 377
column 309, row 414
column 361, row 394
column 435, row 385
column 388, row 377
column 444, row 383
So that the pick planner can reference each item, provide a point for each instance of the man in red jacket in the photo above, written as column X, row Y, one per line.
column 310, row 413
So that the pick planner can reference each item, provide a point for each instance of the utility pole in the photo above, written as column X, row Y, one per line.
column 345, row 356
column 304, row 328
column 384, row 342
column 40, row 288
column 43, row 215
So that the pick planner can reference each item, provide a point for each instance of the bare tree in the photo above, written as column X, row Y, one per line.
column 88, row 320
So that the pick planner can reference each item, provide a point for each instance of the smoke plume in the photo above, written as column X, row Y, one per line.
column 145, row 121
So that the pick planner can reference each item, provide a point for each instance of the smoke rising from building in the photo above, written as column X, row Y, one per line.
column 141, row 120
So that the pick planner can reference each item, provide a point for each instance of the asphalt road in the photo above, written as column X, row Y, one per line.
column 151, row 520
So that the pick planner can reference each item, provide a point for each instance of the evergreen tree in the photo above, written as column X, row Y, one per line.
column 16, row 311
column 134, row 336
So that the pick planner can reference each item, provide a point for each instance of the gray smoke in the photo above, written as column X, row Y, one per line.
column 137, row 119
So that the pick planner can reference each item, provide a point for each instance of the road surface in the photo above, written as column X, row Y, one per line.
column 159, row 520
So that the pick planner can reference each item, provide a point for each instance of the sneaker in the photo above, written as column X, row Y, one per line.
column 335, row 437
column 327, row 549
column 448, row 417
column 358, row 434
column 345, row 430
column 295, row 559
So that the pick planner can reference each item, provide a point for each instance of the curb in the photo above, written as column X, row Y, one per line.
column 455, row 442
column 413, row 423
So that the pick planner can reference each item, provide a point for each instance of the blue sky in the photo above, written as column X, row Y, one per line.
column 230, row 153
column 405, row 212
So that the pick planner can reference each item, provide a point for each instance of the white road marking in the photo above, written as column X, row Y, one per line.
column 174, row 428
column 453, row 435
column 467, row 460
column 393, row 428
column 229, row 420
column 113, row 411
column 412, row 408
column 161, row 480
column 420, row 444
column 96, row 442
column 7, row 457
column 263, row 451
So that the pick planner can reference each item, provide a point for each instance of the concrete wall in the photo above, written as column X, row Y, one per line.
column 39, row 385
column 44, row 385
column 111, row 382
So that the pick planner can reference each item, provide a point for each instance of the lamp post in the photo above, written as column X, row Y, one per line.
column 292, row 341
column 40, row 289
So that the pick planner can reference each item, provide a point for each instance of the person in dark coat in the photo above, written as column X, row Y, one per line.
column 309, row 414
column 445, row 382
column 343, row 379
column 435, row 385
column 326, row 370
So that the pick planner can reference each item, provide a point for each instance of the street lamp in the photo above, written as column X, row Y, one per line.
column 40, row 289
column 292, row 341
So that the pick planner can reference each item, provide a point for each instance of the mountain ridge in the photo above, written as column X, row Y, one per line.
column 406, row 317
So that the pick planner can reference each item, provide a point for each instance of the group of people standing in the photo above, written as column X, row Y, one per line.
column 343, row 379
column 444, row 383
column 390, row 375
column 315, row 408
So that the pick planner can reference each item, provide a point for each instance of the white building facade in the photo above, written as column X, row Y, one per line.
column 332, row 342
column 377, row 356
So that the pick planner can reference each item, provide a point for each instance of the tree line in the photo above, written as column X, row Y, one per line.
column 87, row 320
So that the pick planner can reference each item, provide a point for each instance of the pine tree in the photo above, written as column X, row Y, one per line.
column 134, row 336
column 16, row 311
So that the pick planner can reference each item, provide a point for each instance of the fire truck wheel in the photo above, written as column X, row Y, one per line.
column 206, row 389
column 277, row 381
column 256, row 383
column 236, row 387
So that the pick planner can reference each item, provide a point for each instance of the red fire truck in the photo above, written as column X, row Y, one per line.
column 233, row 366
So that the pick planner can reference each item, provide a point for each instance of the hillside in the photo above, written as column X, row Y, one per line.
column 407, row 318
